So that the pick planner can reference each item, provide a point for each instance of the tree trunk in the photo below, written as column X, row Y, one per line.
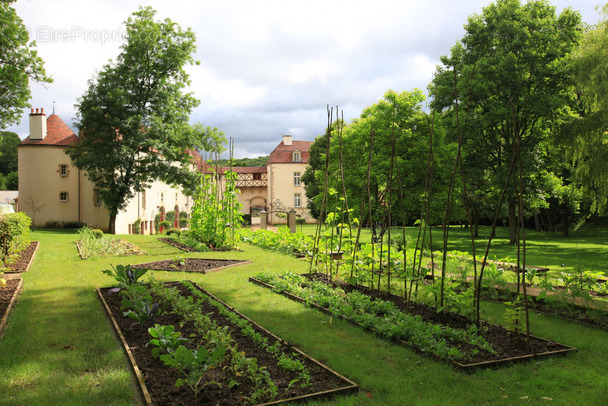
column 566, row 221
column 536, row 222
column 112, row 225
column 512, row 220
column 475, row 221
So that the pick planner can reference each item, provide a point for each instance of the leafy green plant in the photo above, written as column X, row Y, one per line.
column 125, row 275
column 14, row 235
column 92, row 244
column 166, row 339
column 141, row 310
column 193, row 364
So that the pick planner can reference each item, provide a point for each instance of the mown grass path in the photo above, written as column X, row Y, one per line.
column 58, row 348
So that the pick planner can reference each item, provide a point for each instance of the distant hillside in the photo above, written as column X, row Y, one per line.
column 259, row 161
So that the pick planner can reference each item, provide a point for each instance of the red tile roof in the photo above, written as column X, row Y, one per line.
column 283, row 153
column 237, row 169
column 58, row 134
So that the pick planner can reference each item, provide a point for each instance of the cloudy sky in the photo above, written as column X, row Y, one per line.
column 267, row 68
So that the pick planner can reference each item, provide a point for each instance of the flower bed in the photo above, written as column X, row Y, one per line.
column 8, row 297
column 444, row 335
column 254, row 366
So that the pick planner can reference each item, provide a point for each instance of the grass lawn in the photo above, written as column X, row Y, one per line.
column 58, row 348
column 586, row 248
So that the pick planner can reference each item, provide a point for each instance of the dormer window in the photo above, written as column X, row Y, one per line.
column 296, row 156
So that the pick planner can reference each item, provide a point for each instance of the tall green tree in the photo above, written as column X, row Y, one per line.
column 19, row 64
column 508, row 82
column 133, row 118
column 586, row 134
column 8, row 152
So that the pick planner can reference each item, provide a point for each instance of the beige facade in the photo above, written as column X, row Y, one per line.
column 52, row 190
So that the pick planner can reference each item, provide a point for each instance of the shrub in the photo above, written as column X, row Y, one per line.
column 14, row 234
column 170, row 216
column 247, row 219
column 97, row 233
column 166, row 224
column 175, row 231
column 137, row 226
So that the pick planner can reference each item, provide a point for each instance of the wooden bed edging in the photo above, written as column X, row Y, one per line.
column 351, row 388
column 10, row 307
column 140, row 379
column 458, row 365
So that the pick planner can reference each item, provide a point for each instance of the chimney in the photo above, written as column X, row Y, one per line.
column 287, row 140
column 37, row 125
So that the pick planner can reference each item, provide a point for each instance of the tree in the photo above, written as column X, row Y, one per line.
column 11, row 182
column 585, row 134
column 8, row 152
column 133, row 118
column 508, row 84
column 19, row 63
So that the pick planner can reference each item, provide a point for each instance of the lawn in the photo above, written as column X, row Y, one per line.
column 58, row 347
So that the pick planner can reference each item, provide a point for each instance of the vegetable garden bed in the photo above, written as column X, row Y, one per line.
column 25, row 259
column 8, row 297
column 443, row 335
column 200, row 265
column 260, row 369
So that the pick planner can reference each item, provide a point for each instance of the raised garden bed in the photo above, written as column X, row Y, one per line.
column 157, row 381
column 508, row 346
column 118, row 245
column 178, row 244
column 200, row 265
column 8, row 297
column 25, row 259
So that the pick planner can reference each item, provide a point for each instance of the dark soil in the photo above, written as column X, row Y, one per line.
column 160, row 380
column 6, row 294
column 507, row 344
column 177, row 244
column 24, row 259
column 200, row 265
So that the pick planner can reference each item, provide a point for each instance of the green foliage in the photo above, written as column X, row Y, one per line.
column 166, row 339
column 137, row 226
column 174, row 231
column 14, row 235
column 8, row 153
column 11, row 182
column 166, row 224
column 257, row 162
column 382, row 317
column 125, row 275
column 217, row 216
column 135, row 111
column 20, row 64
column 192, row 364
column 93, row 244
column 283, row 240
column 97, row 233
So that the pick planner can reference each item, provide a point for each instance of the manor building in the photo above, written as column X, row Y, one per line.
column 53, row 191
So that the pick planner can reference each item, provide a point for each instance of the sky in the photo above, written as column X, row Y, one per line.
column 267, row 68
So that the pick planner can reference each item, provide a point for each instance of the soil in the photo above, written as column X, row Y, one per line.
column 24, row 259
column 200, row 265
column 160, row 380
column 507, row 344
column 6, row 293
column 176, row 244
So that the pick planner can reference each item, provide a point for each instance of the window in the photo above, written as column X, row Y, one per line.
column 296, row 156
column 63, row 196
column 297, row 200
column 296, row 178
column 96, row 197
column 63, row 170
column 257, row 176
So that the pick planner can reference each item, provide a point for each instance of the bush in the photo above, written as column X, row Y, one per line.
column 170, row 216
column 247, row 219
column 137, row 226
column 97, row 233
column 175, row 231
column 183, row 223
column 14, row 234
column 166, row 224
